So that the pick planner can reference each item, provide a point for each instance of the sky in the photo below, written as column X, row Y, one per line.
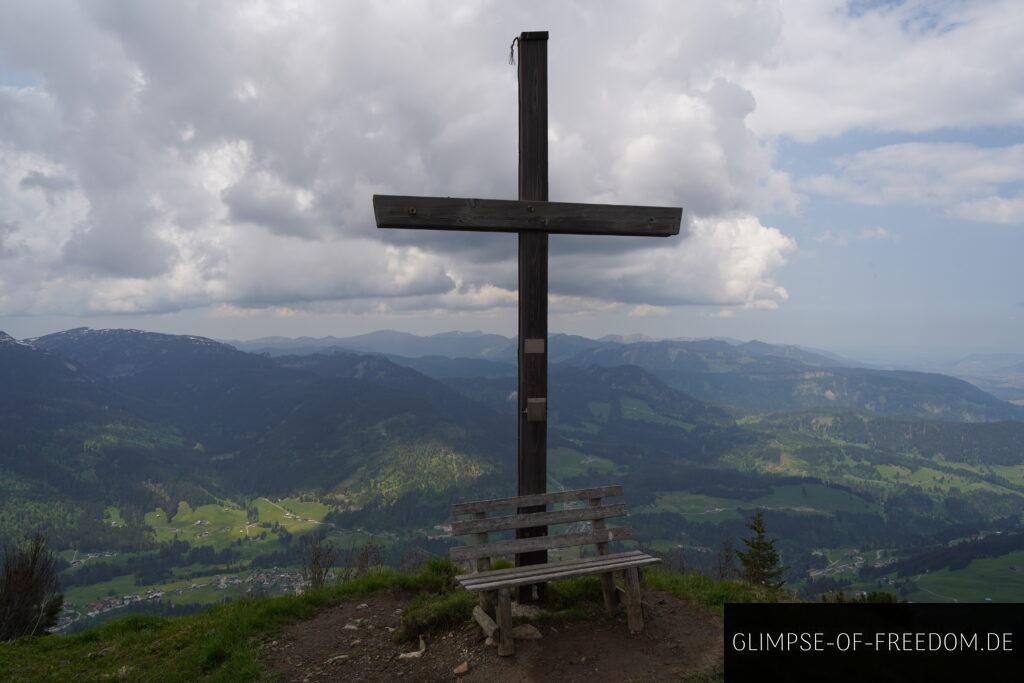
column 851, row 173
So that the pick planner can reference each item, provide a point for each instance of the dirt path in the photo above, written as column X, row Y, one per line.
column 679, row 639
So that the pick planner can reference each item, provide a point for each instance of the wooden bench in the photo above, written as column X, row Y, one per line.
column 494, row 613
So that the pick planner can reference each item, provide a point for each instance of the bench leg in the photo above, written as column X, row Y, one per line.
column 506, row 646
column 611, row 598
column 487, row 602
column 634, row 608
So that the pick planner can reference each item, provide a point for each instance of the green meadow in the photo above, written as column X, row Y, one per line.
column 793, row 498
column 221, row 524
column 1000, row 579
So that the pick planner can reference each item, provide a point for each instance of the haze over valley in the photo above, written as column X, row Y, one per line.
column 184, row 469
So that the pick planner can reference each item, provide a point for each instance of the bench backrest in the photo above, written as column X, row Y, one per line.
column 527, row 512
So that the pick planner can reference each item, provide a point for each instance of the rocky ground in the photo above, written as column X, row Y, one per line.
column 357, row 642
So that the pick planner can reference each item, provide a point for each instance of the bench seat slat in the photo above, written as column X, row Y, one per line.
column 533, row 519
column 538, row 568
column 555, row 574
column 536, row 499
column 582, row 570
column 525, row 545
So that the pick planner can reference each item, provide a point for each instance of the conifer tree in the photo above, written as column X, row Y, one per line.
column 761, row 560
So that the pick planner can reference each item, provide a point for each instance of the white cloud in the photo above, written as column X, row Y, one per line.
column 993, row 209
column 726, row 261
column 910, row 66
column 965, row 180
column 224, row 156
column 648, row 311
column 846, row 238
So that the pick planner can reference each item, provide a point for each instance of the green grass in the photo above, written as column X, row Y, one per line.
column 120, row 585
column 814, row 498
column 430, row 612
column 220, row 524
column 224, row 643
column 112, row 516
column 217, row 524
column 568, row 462
column 695, row 507
column 221, row 644
column 795, row 498
column 990, row 577
column 307, row 509
column 709, row 593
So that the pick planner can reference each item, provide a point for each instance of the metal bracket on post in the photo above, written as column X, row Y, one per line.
column 536, row 410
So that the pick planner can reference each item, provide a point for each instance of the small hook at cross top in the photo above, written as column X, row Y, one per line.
column 512, row 51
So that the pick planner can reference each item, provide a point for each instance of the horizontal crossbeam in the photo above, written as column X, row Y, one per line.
column 532, row 519
column 503, row 215
column 525, row 545
column 536, row 499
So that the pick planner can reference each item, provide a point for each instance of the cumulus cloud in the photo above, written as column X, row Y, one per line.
column 909, row 66
column 726, row 260
column 846, row 238
column 971, row 182
column 224, row 154
column 50, row 185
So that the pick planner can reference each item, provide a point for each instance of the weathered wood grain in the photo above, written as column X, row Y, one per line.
column 483, row 564
column 634, row 607
column 510, row 547
column 532, row 433
column 598, row 566
column 607, row 579
column 506, row 646
column 540, row 499
column 525, row 216
column 463, row 578
column 560, row 564
column 488, row 625
column 504, row 522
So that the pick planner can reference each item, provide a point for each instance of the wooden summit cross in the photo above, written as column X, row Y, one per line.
column 533, row 217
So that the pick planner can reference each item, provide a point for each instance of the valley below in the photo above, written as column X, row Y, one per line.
column 175, row 472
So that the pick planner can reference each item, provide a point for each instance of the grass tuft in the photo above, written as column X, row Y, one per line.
column 712, row 594
column 430, row 612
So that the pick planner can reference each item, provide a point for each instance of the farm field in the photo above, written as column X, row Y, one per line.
column 565, row 463
column 112, row 516
column 1000, row 579
column 220, row 524
column 795, row 498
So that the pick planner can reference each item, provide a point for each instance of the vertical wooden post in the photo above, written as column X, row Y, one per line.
column 483, row 564
column 533, row 285
column 634, row 605
column 607, row 579
column 506, row 645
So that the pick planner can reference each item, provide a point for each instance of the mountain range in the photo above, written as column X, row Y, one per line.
column 387, row 436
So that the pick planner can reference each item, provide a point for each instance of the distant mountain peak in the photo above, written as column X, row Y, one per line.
column 6, row 339
column 628, row 338
column 127, row 333
column 459, row 333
